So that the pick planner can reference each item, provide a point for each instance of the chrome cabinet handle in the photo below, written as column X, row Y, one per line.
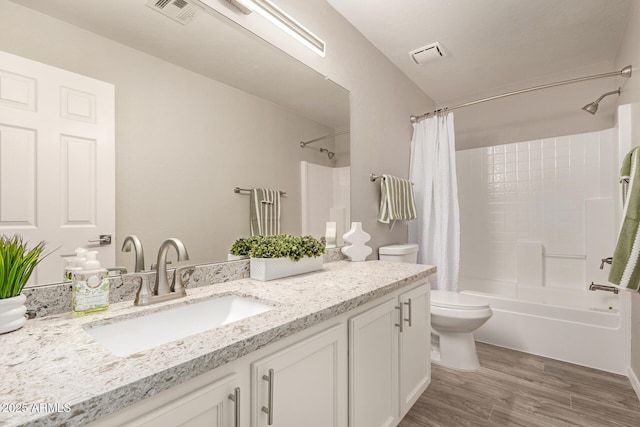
column 235, row 398
column 401, row 324
column 269, row 408
column 105, row 239
column 408, row 304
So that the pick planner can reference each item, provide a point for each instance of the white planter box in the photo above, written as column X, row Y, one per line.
column 274, row 268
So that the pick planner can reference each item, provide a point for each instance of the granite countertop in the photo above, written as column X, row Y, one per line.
column 54, row 373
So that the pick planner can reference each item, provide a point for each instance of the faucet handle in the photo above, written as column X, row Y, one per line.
column 144, row 294
column 605, row 260
column 116, row 270
column 181, row 276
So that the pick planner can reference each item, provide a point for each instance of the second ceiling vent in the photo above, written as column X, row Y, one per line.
column 427, row 53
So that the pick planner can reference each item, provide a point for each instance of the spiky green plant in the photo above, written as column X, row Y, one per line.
column 16, row 264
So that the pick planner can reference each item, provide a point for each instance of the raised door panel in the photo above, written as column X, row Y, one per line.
column 373, row 367
column 308, row 383
column 18, row 167
column 415, row 346
column 208, row 406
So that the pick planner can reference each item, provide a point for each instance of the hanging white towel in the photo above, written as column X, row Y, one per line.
column 264, row 212
column 396, row 199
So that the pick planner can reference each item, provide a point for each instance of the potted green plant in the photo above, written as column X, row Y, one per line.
column 273, row 257
column 17, row 262
column 241, row 247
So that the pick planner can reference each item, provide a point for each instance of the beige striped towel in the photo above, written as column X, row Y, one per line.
column 264, row 212
column 396, row 199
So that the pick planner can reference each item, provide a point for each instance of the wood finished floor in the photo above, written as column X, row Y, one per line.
column 519, row 389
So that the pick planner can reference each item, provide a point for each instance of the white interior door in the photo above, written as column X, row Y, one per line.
column 57, row 161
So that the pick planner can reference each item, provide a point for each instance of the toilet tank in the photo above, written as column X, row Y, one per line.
column 399, row 253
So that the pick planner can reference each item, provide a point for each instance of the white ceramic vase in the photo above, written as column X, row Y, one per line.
column 356, row 250
column 12, row 312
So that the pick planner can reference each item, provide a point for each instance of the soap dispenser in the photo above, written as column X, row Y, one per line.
column 90, row 286
column 75, row 264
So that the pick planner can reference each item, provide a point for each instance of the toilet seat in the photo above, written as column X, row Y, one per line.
column 457, row 301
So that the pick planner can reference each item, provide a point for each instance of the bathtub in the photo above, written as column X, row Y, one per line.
column 583, row 327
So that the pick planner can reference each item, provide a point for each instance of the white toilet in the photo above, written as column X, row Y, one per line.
column 454, row 317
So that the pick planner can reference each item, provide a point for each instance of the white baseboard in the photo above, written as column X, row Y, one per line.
column 635, row 383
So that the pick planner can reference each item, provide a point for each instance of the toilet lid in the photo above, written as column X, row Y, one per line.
column 456, row 300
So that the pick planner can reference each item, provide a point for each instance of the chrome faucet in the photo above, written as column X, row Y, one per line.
column 162, row 291
column 137, row 247
column 162, row 283
column 605, row 261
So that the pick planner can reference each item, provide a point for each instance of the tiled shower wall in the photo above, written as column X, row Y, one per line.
column 560, row 192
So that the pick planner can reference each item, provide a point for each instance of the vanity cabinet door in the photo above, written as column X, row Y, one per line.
column 373, row 366
column 208, row 405
column 304, row 384
column 415, row 346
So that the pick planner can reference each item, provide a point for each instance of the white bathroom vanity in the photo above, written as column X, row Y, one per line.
column 346, row 346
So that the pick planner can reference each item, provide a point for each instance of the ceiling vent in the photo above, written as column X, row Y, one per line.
column 427, row 53
column 179, row 10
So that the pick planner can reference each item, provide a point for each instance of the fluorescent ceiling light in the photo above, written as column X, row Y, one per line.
column 279, row 18
column 244, row 6
column 285, row 22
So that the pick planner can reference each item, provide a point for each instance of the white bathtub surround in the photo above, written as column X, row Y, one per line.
column 586, row 328
column 433, row 172
column 599, row 239
column 529, row 263
column 539, row 191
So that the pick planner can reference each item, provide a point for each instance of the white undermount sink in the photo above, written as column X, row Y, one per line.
column 129, row 336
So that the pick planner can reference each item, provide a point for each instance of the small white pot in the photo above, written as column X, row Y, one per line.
column 275, row 268
column 12, row 312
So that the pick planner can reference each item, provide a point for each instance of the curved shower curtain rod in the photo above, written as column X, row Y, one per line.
column 625, row 72
column 305, row 143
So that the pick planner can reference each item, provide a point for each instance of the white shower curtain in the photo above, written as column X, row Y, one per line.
column 433, row 172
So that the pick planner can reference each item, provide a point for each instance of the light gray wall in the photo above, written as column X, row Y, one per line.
column 547, row 113
column 172, row 123
column 629, row 53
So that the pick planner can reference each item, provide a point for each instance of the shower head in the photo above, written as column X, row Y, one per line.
column 592, row 107
column 330, row 154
